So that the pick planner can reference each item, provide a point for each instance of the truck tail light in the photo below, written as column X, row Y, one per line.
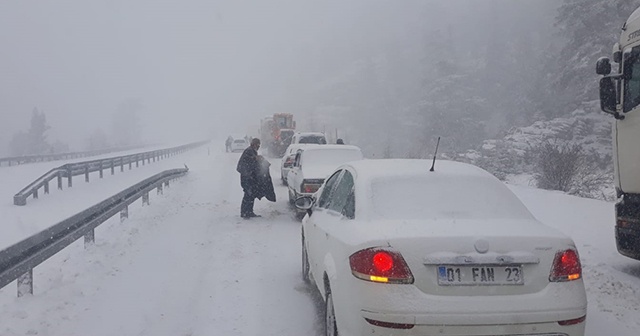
column 310, row 186
column 288, row 163
column 380, row 265
column 566, row 266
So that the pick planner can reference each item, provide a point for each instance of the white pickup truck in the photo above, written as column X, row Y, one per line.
column 312, row 164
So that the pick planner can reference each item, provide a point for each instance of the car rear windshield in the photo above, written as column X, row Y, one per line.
column 331, row 157
column 313, row 139
column 239, row 141
column 461, row 197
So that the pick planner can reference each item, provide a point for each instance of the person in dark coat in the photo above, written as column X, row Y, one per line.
column 227, row 144
column 248, row 168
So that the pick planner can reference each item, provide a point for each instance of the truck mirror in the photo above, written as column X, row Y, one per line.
column 608, row 95
column 603, row 66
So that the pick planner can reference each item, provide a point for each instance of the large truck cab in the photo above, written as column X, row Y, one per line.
column 620, row 97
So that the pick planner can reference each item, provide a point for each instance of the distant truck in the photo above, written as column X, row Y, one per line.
column 276, row 132
column 620, row 97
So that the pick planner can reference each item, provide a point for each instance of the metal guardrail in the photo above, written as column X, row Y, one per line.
column 17, row 261
column 24, row 159
column 70, row 170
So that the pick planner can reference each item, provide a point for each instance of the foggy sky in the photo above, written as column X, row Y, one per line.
column 199, row 67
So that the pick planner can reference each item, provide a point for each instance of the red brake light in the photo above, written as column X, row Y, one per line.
column 380, row 265
column 566, row 266
column 382, row 261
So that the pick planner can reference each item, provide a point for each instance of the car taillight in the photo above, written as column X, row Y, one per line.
column 566, row 266
column 380, row 265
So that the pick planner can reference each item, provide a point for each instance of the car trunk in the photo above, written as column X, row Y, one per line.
column 476, row 258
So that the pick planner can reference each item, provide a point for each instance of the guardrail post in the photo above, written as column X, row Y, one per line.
column 35, row 193
column 122, row 165
column 69, row 178
column 113, row 172
column 149, row 159
column 166, row 183
column 86, row 173
column 124, row 213
column 138, row 161
column 60, row 180
column 145, row 199
column 101, row 174
column 25, row 283
column 89, row 238
column 160, row 191
column 46, row 187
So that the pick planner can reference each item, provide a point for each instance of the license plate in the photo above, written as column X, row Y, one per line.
column 484, row 275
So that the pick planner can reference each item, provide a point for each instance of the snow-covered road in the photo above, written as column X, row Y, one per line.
column 188, row 265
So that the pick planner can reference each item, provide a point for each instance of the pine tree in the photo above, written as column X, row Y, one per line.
column 588, row 30
column 37, row 138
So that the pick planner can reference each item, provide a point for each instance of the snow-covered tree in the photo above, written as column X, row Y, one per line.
column 126, row 123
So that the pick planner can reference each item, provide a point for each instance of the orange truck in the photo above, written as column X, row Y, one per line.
column 276, row 132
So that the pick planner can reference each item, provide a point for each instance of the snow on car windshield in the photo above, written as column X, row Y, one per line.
column 457, row 197
column 331, row 157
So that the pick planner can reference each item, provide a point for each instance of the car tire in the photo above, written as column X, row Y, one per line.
column 305, row 263
column 331, row 327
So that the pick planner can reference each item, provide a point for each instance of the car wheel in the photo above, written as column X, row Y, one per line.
column 331, row 328
column 305, row 263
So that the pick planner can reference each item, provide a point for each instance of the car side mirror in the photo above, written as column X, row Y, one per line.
column 603, row 66
column 304, row 203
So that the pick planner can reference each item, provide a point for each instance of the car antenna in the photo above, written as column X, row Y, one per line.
column 434, row 155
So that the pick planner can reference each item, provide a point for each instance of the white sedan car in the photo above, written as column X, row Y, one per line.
column 239, row 145
column 395, row 249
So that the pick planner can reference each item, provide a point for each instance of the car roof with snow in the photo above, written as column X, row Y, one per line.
column 316, row 147
column 294, row 147
column 406, row 189
column 310, row 134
